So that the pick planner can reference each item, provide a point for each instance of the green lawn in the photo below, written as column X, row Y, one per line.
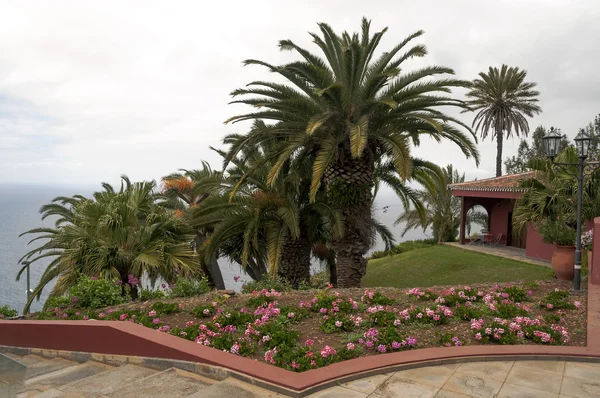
column 446, row 265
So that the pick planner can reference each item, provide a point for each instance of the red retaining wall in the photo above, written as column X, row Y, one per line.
column 125, row 338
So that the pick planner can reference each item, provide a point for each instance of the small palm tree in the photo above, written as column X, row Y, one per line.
column 502, row 98
column 441, row 209
column 113, row 235
column 344, row 112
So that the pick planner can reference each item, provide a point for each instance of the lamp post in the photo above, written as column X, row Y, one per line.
column 582, row 144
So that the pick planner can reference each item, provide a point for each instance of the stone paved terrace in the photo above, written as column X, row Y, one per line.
column 498, row 379
column 514, row 253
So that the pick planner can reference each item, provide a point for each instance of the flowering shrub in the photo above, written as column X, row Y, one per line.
column 150, row 294
column 270, row 283
column 466, row 311
column 262, row 297
column 515, row 293
column 338, row 323
column 439, row 315
column 165, row 308
column 454, row 296
column 386, row 340
column 556, row 300
column 421, row 294
column 371, row 297
column 204, row 311
column 508, row 310
column 449, row 340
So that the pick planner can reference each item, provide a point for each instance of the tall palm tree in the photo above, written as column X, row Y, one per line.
column 112, row 235
column 502, row 98
column 187, row 189
column 345, row 111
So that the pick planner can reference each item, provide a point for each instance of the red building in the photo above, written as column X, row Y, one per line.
column 498, row 196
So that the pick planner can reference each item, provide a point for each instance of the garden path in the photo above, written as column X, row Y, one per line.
column 514, row 253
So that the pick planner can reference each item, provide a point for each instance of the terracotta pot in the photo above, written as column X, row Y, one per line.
column 563, row 261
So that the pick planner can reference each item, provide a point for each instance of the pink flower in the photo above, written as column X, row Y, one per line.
column 156, row 321
column 411, row 341
column 350, row 346
column 369, row 343
column 330, row 286
column 313, row 363
column 478, row 336
column 85, row 317
column 338, row 324
column 396, row 345
column 123, row 317
column 180, row 305
column 291, row 315
column 65, row 316
column 309, row 343
column 152, row 313
column 549, row 306
column 381, row 348
column 189, row 323
column 328, row 351
column 101, row 315
column 236, row 278
column 577, row 304
column 235, row 348
column 323, row 310
column 77, row 313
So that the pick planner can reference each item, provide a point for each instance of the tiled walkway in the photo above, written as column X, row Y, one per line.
column 513, row 253
column 498, row 379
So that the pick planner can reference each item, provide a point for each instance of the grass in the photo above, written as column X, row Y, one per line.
column 446, row 265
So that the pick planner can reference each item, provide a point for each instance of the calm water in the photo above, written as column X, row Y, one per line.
column 19, row 212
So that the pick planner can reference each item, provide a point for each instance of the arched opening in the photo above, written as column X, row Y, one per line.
column 478, row 221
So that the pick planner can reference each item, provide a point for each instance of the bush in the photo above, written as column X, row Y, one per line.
column 268, row 283
column 319, row 280
column 557, row 233
column 165, row 308
column 149, row 294
column 7, row 312
column 188, row 287
column 57, row 302
column 95, row 293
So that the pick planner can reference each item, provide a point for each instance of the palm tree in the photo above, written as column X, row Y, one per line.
column 552, row 194
column 502, row 98
column 442, row 210
column 113, row 235
column 273, row 222
column 188, row 189
column 343, row 113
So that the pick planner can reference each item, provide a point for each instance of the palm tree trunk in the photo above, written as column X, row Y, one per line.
column 211, row 270
column 332, row 268
column 255, row 269
column 349, row 184
column 294, row 265
column 499, row 139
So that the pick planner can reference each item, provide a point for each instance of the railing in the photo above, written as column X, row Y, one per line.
column 12, row 376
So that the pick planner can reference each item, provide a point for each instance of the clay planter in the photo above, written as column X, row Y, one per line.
column 563, row 261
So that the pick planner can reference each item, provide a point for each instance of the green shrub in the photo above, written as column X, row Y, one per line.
column 165, row 308
column 508, row 311
column 95, row 293
column 7, row 312
column 57, row 302
column 204, row 311
column 149, row 294
column 330, row 325
column 517, row 294
column 269, row 283
column 557, row 300
column 188, row 287
column 557, row 233
column 404, row 247
column 466, row 313
column 318, row 280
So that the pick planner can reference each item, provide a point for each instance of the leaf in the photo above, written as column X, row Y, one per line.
column 359, row 134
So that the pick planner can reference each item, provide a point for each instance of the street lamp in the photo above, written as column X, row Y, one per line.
column 582, row 144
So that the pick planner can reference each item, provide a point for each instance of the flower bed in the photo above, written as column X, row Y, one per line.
column 305, row 330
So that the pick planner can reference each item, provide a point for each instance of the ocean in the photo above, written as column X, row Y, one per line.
column 19, row 212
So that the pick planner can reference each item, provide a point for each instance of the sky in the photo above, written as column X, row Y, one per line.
column 92, row 90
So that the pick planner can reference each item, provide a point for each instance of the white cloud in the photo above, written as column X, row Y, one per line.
column 92, row 90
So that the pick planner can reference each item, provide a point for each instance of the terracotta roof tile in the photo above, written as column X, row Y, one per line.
column 507, row 183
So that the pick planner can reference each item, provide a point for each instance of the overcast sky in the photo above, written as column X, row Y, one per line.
column 92, row 90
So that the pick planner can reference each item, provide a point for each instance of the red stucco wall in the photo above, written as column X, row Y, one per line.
column 536, row 248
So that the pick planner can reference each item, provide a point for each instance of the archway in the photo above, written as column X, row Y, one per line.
column 478, row 221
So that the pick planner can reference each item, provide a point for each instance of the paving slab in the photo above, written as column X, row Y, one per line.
column 450, row 394
column 47, row 366
column 338, row 392
column 472, row 385
column 496, row 370
column 231, row 388
column 435, row 376
column 109, row 380
column 397, row 386
column 514, row 391
column 554, row 367
column 64, row 376
column 367, row 384
column 581, row 370
column 580, row 388
column 25, row 359
column 166, row 384
column 533, row 379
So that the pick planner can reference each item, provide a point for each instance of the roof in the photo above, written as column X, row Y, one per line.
column 507, row 183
